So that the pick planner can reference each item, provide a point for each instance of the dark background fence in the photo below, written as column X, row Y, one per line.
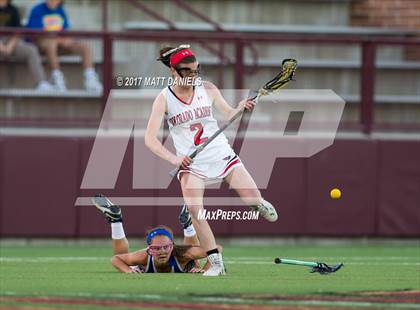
column 40, row 178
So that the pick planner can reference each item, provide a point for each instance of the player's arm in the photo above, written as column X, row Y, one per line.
column 221, row 104
column 197, row 252
column 151, row 137
column 122, row 262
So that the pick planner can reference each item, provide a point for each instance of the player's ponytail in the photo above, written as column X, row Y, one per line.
column 165, row 57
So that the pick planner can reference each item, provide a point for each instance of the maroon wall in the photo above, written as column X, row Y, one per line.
column 40, row 179
column 398, row 205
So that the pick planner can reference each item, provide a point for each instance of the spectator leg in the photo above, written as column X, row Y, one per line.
column 29, row 53
column 80, row 48
column 50, row 47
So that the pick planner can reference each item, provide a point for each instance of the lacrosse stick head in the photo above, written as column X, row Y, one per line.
column 289, row 66
column 288, row 69
column 324, row 269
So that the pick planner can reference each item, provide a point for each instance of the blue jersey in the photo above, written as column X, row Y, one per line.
column 173, row 263
column 42, row 17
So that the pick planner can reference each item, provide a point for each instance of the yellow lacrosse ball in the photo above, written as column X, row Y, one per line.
column 335, row 193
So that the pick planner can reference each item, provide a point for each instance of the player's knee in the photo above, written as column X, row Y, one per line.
column 114, row 260
column 220, row 248
column 194, row 210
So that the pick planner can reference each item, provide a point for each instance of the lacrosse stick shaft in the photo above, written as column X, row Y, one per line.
column 295, row 262
column 201, row 147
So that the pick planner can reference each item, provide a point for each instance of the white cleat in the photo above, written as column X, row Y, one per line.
column 217, row 267
column 267, row 211
column 215, row 271
column 111, row 212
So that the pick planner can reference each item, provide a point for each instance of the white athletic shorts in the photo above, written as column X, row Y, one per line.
column 216, row 170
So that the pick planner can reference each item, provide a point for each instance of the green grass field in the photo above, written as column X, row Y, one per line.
column 372, row 276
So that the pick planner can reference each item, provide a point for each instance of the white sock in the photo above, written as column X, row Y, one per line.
column 56, row 72
column 189, row 231
column 216, row 259
column 117, row 231
column 89, row 72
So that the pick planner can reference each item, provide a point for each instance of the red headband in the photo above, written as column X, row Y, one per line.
column 178, row 56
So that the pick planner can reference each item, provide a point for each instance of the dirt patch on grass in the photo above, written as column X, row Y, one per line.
column 407, row 296
column 353, row 300
column 61, row 303
column 403, row 293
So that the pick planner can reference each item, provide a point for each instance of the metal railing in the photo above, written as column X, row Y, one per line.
column 181, row 4
column 367, row 43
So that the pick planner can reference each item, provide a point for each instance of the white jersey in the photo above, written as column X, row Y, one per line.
column 192, row 123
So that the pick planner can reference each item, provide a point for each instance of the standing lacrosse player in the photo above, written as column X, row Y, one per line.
column 188, row 109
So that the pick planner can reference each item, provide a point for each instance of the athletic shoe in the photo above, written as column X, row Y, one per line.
column 44, row 86
column 111, row 212
column 58, row 80
column 185, row 217
column 267, row 211
column 92, row 82
column 217, row 267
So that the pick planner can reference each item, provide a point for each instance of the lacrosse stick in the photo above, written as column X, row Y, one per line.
column 321, row 268
column 279, row 81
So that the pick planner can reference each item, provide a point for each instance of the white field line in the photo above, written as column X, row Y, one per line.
column 237, row 300
column 46, row 259
column 242, row 261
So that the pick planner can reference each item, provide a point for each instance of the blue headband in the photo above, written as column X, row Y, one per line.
column 158, row 232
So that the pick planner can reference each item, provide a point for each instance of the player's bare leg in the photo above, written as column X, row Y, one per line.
column 193, row 192
column 120, row 246
column 240, row 180
column 191, row 240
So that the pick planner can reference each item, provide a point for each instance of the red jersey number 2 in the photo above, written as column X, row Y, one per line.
column 197, row 138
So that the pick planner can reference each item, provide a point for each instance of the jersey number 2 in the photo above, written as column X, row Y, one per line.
column 197, row 137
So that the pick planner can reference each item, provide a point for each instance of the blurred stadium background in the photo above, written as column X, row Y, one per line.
column 367, row 51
